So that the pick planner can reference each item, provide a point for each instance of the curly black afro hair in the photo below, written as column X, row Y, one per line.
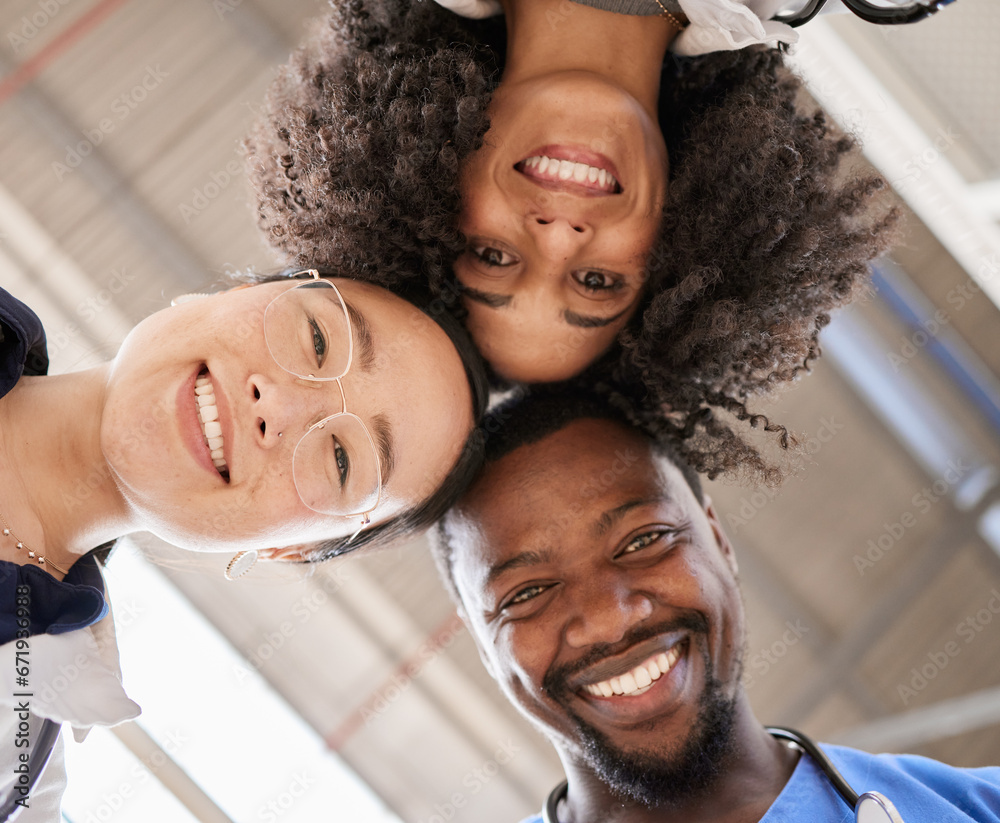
column 355, row 165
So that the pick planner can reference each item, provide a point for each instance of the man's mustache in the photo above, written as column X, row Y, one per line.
column 555, row 681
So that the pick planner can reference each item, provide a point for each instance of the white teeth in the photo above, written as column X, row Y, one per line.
column 638, row 680
column 208, row 413
column 568, row 170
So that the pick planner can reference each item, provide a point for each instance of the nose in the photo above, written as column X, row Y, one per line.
column 606, row 613
column 284, row 408
column 558, row 233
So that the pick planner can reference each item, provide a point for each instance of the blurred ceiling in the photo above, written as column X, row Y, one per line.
column 120, row 186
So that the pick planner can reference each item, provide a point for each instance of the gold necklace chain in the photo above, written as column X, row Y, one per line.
column 669, row 16
column 8, row 532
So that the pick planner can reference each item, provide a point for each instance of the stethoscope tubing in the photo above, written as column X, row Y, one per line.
column 870, row 13
column 808, row 745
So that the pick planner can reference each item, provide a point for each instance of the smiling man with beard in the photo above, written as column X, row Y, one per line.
column 602, row 592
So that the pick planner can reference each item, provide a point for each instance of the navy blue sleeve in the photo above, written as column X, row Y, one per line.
column 49, row 605
column 22, row 347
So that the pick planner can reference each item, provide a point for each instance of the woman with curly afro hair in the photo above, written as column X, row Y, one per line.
column 595, row 208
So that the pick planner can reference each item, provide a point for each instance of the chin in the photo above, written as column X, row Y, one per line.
column 663, row 778
column 532, row 371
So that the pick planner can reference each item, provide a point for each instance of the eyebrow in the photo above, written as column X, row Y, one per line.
column 384, row 445
column 518, row 561
column 615, row 515
column 494, row 301
column 587, row 321
column 365, row 348
column 501, row 301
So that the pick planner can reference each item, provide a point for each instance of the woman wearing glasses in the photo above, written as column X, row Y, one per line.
column 292, row 419
column 301, row 411
column 598, row 205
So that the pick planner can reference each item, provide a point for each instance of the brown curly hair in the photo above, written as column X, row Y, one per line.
column 355, row 165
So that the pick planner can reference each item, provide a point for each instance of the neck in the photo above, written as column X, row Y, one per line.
column 547, row 36
column 750, row 781
column 56, row 489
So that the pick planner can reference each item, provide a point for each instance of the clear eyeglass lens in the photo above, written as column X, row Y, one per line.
column 308, row 332
column 336, row 467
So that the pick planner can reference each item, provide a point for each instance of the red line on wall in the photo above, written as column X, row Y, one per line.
column 33, row 66
column 409, row 668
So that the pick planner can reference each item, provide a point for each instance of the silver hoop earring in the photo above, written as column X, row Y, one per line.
column 241, row 563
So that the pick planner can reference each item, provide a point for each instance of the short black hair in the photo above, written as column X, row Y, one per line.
column 417, row 518
column 533, row 413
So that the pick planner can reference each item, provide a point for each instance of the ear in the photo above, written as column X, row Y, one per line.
column 302, row 553
column 721, row 538
column 187, row 298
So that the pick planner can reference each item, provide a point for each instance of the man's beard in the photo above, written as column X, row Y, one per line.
column 654, row 777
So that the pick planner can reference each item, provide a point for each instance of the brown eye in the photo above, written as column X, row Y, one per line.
column 595, row 281
column 641, row 542
column 318, row 341
column 493, row 256
column 653, row 545
column 524, row 595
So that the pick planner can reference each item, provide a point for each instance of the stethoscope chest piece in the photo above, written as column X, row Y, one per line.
column 873, row 807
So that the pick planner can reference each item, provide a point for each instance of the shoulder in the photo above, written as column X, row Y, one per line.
column 32, row 602
column 472, row 8
column 725, row 25
column 927, row 789
column 22, row 342
column 75, row 671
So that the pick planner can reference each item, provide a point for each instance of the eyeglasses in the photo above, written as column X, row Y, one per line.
column 881, row 12
column 335, row 465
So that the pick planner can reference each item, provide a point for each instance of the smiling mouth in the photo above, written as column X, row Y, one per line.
column 640, row 679
column 569, row 175
column 211, row 429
